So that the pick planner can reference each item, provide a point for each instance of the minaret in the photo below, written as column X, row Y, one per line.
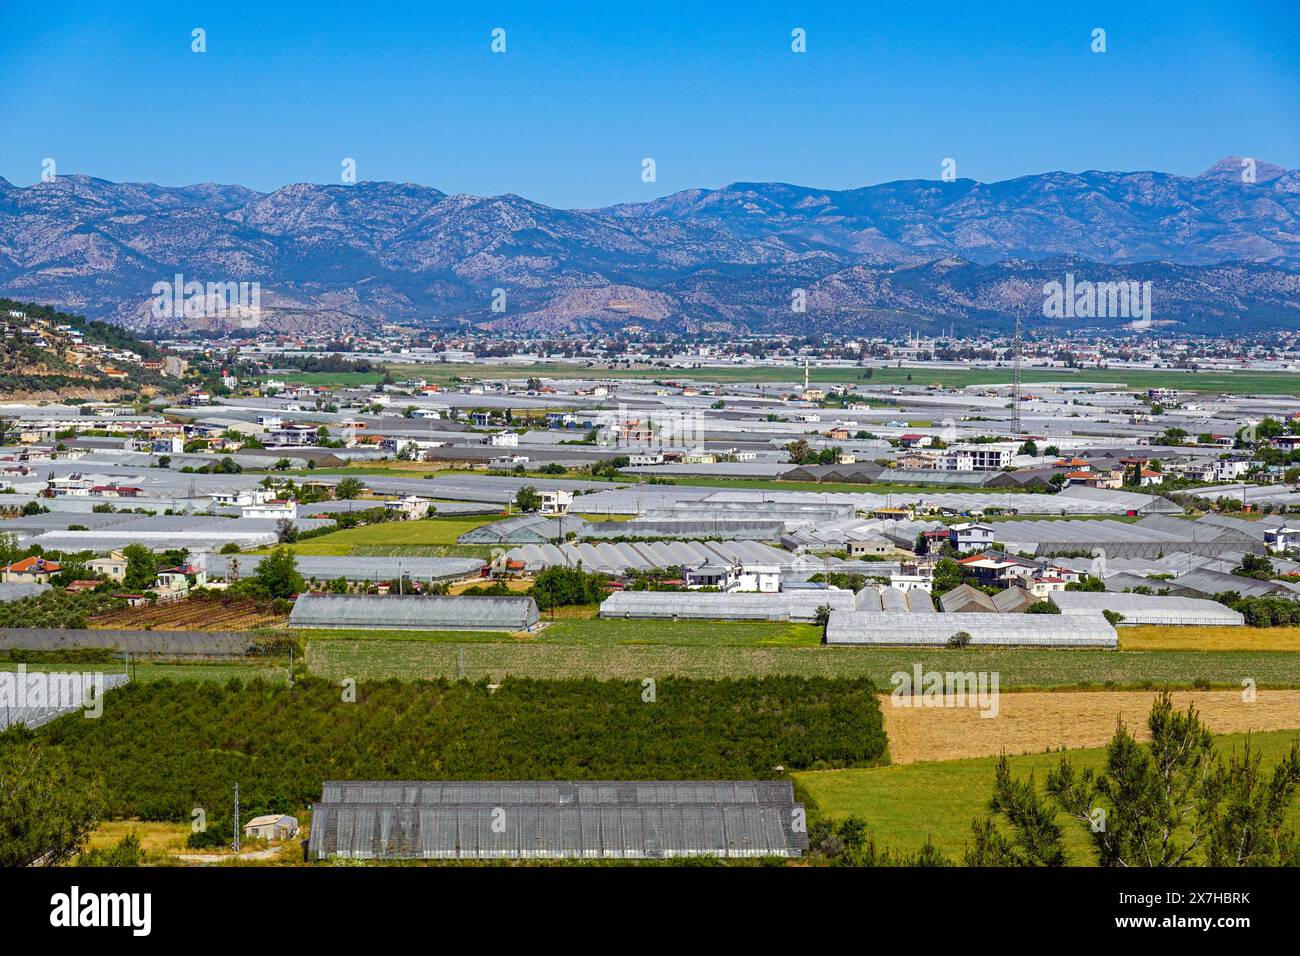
column 805, row 374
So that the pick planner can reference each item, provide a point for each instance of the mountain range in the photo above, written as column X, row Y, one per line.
column 1222, row 253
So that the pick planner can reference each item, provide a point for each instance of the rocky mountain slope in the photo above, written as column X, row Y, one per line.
column 1222, row 253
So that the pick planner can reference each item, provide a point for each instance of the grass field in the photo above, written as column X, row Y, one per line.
column 1145, row 638
column 575, row 626
column 1237, row 382
column 430, row 533
column 154, row 836
column 602, row 654
column 906, row 803
column 1032, row 722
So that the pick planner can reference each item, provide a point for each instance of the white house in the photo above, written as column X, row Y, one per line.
column 1282, row 537
column 970, row 536
column 293, row 434
column 763, row 579
column 504, row 440
column 556, row 502
column 271, row 509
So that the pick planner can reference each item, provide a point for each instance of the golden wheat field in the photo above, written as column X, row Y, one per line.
column 1152, row 638
column 1031, row 722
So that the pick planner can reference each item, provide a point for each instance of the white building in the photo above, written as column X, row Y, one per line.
column 293, row 434
column 970, row 537
column 272, row 827
column 759, row 578
column 556, row 502
column 990, row 456
column 271, row 509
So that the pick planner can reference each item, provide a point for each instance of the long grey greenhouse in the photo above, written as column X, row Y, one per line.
column 556, row 820
column 434, row 613
column 904, row 628
column 1150, row 608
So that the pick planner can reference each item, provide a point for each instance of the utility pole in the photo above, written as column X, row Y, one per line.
column 236, row 817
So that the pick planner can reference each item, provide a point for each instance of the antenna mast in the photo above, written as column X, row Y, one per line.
column 1015, row 380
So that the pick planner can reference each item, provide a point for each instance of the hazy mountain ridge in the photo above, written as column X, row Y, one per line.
column 334, row 257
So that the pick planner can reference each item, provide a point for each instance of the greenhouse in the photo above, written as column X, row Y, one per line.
column 434, row 613
column 554, row 820
column 795, row 605
column 618, row 557
column 1150, row 608
column 350, row 567
column 902, row 628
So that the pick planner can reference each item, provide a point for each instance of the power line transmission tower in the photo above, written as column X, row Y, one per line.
column 1015, row 381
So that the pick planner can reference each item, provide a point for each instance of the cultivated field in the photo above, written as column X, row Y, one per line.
column 1033, row 722
column 577, row 625
column 906, row 803
column 1023, row 668
column 216, row 614
column 437, row 534
column 1146, row 638
column 1241, row 383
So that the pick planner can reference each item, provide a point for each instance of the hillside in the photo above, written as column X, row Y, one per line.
column 47, row 354
column 885, row 257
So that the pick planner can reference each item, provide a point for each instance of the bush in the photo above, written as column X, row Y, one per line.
column 960, row 639
column 561, row 587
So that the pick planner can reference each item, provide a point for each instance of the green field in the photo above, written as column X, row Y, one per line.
column 429, row 534
column 1236, row 382
column 610, row 632
column 906, row 803
column 591, row 651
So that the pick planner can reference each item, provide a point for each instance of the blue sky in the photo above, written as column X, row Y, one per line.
column 584, row 92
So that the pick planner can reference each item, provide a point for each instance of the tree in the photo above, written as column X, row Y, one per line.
column 959, row 640
column 349, row 488
column 9, row 549
column 1244, row 812
column 282, row 464
column 528, row 499
column 822, row 617
column 126, row 852
column 561, row 587
column 1151, row 804
column 1029, row 448
column 1138, row 808
column 141, row 568
column 277, row 575
column 1087, row 583
column 48, row 809
column 286, row 532
column 1036, row 836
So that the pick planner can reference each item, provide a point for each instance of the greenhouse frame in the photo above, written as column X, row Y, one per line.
column 1150, row 608
column 556, row 820
column 905, row 628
